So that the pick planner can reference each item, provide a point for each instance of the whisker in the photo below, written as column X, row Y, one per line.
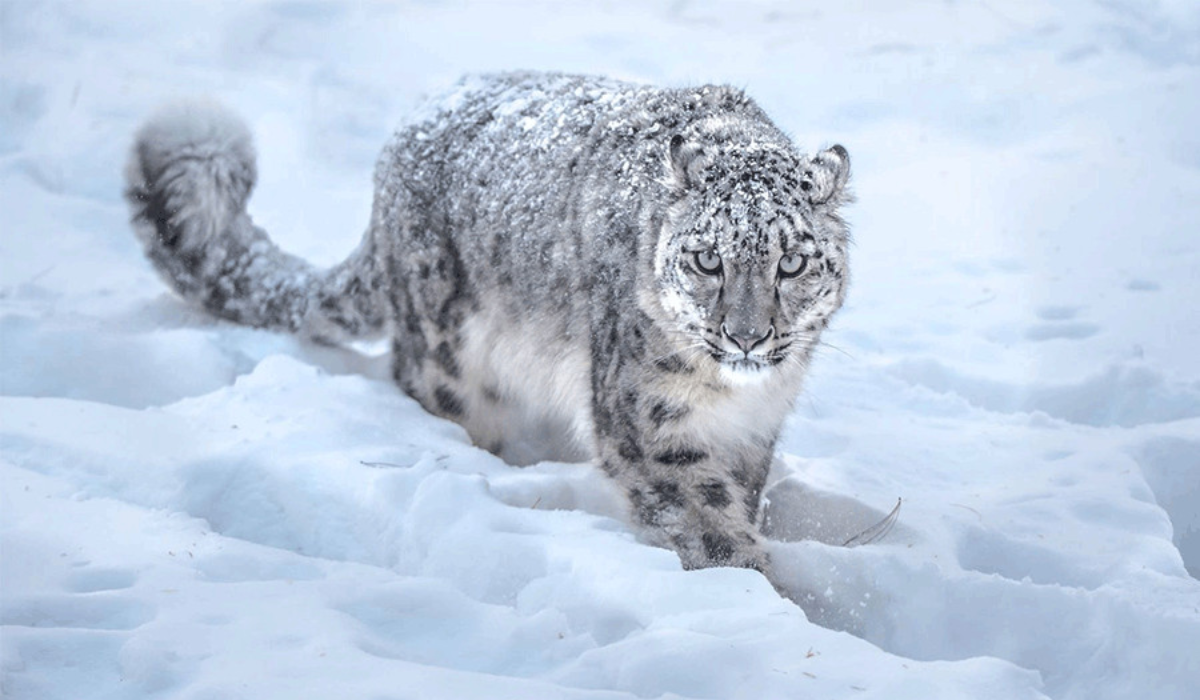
column 677, row 351
column 823, row 344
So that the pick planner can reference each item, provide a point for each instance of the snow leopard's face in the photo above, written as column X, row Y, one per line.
column 751, row 262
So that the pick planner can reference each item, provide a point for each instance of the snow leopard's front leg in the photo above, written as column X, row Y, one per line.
column 692, row 494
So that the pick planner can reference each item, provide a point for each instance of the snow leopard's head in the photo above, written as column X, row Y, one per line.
column 751, row 258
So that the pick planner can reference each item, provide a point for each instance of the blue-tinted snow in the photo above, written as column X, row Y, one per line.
column 194, row 510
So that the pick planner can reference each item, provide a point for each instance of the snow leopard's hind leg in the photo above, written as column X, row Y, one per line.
column 189, row 175
column 431, row 299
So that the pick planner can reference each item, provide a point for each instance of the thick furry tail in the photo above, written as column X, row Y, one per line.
column 188, row 178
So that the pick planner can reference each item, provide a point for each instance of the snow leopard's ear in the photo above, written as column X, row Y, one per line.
column 825, row 176
column 687, row 161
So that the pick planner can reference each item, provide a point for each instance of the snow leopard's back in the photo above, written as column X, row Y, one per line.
column 519, row 164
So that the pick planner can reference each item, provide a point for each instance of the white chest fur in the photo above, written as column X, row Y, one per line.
column 740, row 410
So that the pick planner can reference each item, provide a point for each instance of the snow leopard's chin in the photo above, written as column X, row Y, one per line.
column 745, row 372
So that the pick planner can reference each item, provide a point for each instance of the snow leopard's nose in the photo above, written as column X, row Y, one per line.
column 746, row 339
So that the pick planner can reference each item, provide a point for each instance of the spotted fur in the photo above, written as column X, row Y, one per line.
column 566, row 265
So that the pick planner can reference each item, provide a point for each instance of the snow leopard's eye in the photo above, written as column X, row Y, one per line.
column 792, row 265
column 708, row 262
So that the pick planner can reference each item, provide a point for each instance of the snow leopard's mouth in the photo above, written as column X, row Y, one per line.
column 744, row 372
column 743, row 362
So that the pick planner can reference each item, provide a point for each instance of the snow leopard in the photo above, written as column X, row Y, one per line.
column 632, row 274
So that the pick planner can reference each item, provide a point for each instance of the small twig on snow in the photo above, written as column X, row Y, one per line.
column 876, row 531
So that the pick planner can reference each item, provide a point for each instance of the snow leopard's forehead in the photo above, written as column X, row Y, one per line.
column 751, row 206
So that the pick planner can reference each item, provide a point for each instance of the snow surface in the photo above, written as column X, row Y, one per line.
column 195, row 510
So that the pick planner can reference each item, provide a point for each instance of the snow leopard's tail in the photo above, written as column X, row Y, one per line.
column 188, row 179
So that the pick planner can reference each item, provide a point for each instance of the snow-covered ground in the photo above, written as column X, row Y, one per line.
column 195, row 510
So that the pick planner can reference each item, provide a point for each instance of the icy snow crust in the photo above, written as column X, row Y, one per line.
column 191, row 509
